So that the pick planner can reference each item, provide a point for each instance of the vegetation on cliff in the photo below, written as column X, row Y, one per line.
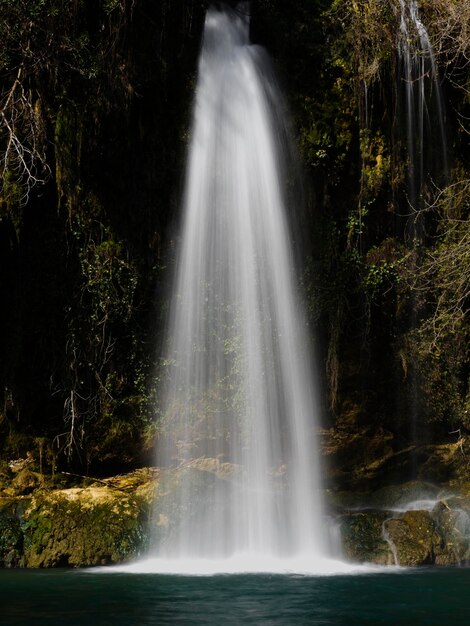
column 95, row 102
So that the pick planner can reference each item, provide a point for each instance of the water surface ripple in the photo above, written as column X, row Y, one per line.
column 412, row 597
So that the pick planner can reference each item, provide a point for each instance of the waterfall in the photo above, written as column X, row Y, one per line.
column 424, row 110
column 239, row 477
column 424, row 121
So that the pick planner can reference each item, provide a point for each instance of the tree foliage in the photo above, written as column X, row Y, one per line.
column 89, row 170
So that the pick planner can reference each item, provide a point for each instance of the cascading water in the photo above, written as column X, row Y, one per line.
column 423, row 115
column 240, row 397
column 424, row 110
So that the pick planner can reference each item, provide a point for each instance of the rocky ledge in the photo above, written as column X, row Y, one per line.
column 98, row 522
column 411, row 524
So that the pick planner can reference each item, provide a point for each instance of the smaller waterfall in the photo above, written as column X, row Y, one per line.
column 423, row 117
column 424, row 109
column 391, row 544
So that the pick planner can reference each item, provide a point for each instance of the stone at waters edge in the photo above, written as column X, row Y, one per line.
column 100, row 524
column 108, row 523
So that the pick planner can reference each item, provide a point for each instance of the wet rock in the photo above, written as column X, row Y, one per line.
column 416, row 523
column 362, row 537
column 453, row 522
column 415, row 538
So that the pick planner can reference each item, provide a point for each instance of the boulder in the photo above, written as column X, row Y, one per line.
column 415, row 538
column 82, row 528
column 412, row 524
column 363, row 540
column 453, row 521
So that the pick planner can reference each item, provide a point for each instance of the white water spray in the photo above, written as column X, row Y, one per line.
column 240, row 396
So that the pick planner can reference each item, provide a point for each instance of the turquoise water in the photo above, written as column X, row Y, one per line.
column 72, row 598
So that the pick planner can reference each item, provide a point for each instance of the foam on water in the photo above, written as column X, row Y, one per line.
column 306, row 565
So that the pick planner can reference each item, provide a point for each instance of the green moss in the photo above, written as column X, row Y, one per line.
column 363, row 539
column 415, row 537
column 84, row 531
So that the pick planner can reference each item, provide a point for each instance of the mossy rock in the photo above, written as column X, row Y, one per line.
column 415, row 537
column 363, row 540
column 453, row 520
column 439, row 536
column 11, row 540
column 84, row 528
